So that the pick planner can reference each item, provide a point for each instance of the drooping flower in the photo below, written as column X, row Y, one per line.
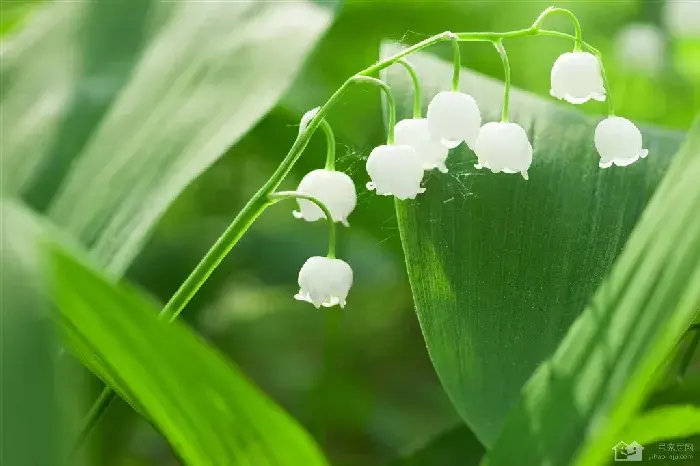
column 503, row 147
column 334, row 189
column 454, row 117
column 576, row 78
column 619, row 142
column 414, row 132
column 324, row 281
column 395, row 170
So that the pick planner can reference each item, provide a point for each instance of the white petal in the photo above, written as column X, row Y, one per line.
column 334, row 189
column 504, row 147
column 395, row 170
column 454, row 117
column 324, row 281
column 415, row 133
column 576, row 78
column 618, row 141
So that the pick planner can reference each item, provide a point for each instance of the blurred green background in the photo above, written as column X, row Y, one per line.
column 380, row 397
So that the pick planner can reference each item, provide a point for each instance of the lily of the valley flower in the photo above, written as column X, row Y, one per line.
column 503, row 147
column 618, row 142
column 414, row 132
column 576, row 78
column 395, row 170
column 324, row 281
column 454, row 117
column 334, row 189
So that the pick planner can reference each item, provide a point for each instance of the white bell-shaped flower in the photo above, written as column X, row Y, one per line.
column 503, row 147
column 395, row 170
column 576, row 78
column 334, row 189
column 414, row 132
column 618, row 141
column 454, row 117
column 324, row 282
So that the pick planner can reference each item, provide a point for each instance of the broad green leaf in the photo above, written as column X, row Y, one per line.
column 500, row 267
column 665, row 423
column 202, row 404
column 575, row 407
column 457, row 445
column 28, row 395
column 111, row 109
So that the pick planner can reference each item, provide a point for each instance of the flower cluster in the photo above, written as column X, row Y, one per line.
column 419, row 144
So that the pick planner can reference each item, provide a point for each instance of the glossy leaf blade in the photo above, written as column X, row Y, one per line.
column 601, row 374
column 208, row 411
column 112, row 109
column 500, row 267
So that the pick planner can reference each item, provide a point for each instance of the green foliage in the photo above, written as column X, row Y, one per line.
column 29, row 422
column 202, row 404
column 457, row 445
column 111, row 131
column 606, row 366
column 500, row 267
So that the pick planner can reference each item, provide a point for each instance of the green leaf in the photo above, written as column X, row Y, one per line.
column 457, row 445
column 29, row 421
column 202, row 404
column 664, row 423
column 110, row 109
column 573, row 410
column 500, row 267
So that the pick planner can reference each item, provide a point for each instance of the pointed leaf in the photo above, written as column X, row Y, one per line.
column 499, row 266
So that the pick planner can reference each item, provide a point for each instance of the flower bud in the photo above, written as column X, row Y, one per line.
column 324, row 282
column 618, row 141
column 334, row 189
column 454, row 117
column 503, row 147
column 307, row 117
column 576, row 78
column 395, row 170
column 414, row 132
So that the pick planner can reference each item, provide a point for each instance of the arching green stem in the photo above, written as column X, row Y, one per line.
column 506, row 69
column 261, row 199
column 282, row 195
column 391, row 103
column 417, row 91
column 456, row 64
column 578, row 36
column 330, row 144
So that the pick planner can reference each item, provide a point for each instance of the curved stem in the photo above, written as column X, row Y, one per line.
column 391, row 103
column 261, row 200
column 506, row 69
column 457, row 64
column 417, row 91
column 578, row 37
column 330, row 145
column 282, row 195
